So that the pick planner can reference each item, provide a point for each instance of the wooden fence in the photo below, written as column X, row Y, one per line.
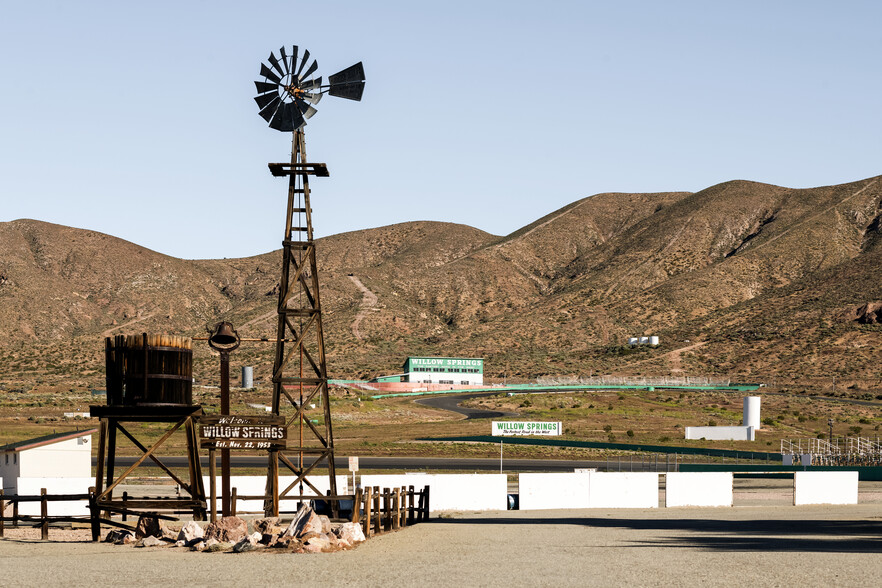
column 380, row 511
column 44, row 520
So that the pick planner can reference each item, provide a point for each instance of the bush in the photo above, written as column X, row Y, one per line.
column 822, row 435
column 801, row 419
column 607, row 428
column 611, row 438
column 664, row 439
column 630, row 433
column 856, row 430
column 712, row 423
column 769, row 421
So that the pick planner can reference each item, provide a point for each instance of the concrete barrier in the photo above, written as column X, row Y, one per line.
column 698, row 489
column 623, row 490
column 451, row 491
column 559, row 490
column 256, row 485
column 32, row 486
column 825, row 488
column 721, row 433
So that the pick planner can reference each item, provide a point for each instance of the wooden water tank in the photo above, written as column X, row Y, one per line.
column 149, row 370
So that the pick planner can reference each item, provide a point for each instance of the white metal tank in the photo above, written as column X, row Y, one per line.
column 247, row 377
column 653, row 340
column 752, row 412
column 633, row 341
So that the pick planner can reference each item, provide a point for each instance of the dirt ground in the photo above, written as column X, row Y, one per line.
column 772, row 544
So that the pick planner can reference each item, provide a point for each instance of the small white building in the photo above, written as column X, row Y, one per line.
column 60, row 455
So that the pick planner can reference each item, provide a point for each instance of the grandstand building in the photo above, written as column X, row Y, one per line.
column 444, row 370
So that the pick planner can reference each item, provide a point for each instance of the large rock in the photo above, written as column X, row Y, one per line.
column 305, row 521
column 190, row 533
column 317, row 544
column 266, row 525
column 350, row 533
column 868, row 314
column 149, row 541
column 219, row 546
column 120, row 537
column 248, row 543
column 326, row 524
column 227, row 530
column 150, row 526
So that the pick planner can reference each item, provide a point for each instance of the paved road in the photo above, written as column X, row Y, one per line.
column 451, row 402
column 401, row 463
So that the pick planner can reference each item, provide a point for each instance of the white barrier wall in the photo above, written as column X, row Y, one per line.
column 721, row 433
column 256, row 485
column 32, row 486
column 623, row 490
column 699, row 488
column 825, row 488
column 560, row 490
column 451, row 491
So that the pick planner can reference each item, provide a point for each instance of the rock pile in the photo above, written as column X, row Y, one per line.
column 308, row 532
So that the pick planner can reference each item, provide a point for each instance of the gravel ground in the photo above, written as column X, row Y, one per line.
column 761, row 545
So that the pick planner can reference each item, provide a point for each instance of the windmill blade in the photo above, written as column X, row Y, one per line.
column 268, row 73
column 312, row 98
column 305, row 108
column 350, row 91
column 311, row 70
column 263, row 100
column 268, row 112
column 293, row 60
column 264, row 87
column 312, row 84
column 353, row 73
column 275, row 63
column 284, row 59
column 287, row 118
column 303, row 63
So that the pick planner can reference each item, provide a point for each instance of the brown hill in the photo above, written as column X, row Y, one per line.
column 767, row 279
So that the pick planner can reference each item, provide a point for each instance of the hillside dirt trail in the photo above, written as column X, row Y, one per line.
column 368, row 304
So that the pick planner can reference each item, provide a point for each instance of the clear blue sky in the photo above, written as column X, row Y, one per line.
column 137, row 119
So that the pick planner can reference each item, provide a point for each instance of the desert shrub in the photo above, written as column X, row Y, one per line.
column 630, row 433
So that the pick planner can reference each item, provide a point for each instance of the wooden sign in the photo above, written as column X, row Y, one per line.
column 242, row 432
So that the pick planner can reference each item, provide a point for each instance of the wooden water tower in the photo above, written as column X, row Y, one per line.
column 149, row 380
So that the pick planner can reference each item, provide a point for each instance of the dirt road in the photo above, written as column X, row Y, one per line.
column 794, row 546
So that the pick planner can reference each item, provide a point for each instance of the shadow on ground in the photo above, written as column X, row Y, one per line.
column 831, row 536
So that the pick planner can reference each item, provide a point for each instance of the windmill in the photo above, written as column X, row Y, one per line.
column 286, row 97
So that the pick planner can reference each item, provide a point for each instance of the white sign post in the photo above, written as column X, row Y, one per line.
column 353, row 467
column 504, row 428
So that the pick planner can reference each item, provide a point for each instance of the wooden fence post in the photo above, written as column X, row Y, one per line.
column 15, row 514
column 233, row 496
column 2, row 511
column 125, row 497
column 44, row 516
column 410, row 497
column 426, row 505
column 377, row 512
column 94, row 514
column 396, row 506
column 387, row 509
column 368, row 531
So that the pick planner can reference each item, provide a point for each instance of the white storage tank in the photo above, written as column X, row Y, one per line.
column 653, row 340
column 632, row 341
column 247, row 377
column 752, row 412
column 644, row 340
